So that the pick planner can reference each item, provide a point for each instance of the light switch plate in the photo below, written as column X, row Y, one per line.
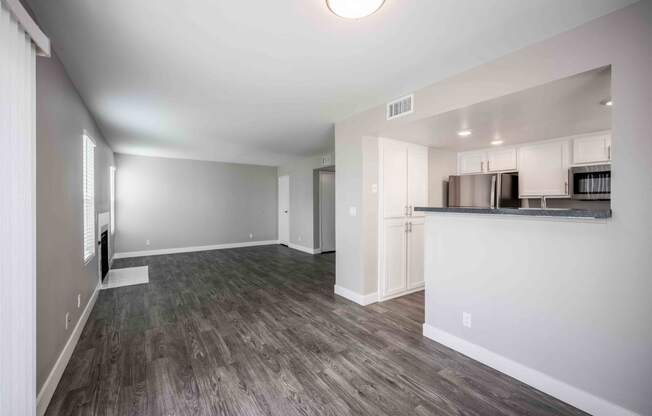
column 353, row 211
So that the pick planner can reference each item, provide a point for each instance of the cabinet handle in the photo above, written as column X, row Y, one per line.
column 566, row 187
column 609, row 152
column 406, row 211
column 481, row 166
column 488, row 166
column 406, row 227
column 410, row 211
column 410, row 228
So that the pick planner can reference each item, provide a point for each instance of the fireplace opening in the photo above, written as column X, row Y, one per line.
column 104, row 257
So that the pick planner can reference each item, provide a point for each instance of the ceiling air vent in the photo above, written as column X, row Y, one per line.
column 401, row 107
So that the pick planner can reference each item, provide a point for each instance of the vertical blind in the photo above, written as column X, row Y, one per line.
column 17, row 218
column 88, row 185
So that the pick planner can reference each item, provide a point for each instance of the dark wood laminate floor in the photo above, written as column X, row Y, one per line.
column 258, row 331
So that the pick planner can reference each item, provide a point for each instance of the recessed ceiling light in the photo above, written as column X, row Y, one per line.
column 354, row 9
column 607, row 103
column 497, row 142
column 464, row 133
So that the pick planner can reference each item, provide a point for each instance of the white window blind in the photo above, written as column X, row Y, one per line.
column 88, row 191
column 112, row 196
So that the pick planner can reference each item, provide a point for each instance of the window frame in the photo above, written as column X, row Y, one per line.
column 88, row 145
column 112, row 171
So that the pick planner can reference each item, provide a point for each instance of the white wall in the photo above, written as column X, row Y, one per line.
column 61, row 119
column 176, row 203
column 623, row 40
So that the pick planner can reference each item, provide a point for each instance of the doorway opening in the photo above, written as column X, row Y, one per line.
column 324, row 209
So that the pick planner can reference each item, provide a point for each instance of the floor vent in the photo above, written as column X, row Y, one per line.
column 401, row 107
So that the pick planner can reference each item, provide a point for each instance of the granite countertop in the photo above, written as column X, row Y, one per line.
column 532, row 212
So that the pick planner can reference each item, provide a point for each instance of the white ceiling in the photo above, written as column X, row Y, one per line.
column 562, row 108
column 263, row 81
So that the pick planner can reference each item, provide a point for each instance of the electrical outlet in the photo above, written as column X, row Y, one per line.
column 67, row 320
column 78, row 300
column 251, row 236
column 353, row 211
column 466, row 319
column 146, row 242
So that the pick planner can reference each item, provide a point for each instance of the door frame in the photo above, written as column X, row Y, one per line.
column 281, row 179
column 321, row 224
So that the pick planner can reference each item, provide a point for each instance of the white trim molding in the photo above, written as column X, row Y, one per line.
column 363, row 300
column 304, row 249
column 50, row 385
column 30, row 27
column 572, row 395
column 159, row 252
column 418, row 288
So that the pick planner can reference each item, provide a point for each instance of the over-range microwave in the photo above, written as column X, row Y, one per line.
column 591, row 182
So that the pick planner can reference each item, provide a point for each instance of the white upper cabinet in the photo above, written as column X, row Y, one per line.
column 471, row 162
column 592, row 149
column 417, row 178
column 500, row 160
column 404, row 177
column 543, row 169
column 394, row 156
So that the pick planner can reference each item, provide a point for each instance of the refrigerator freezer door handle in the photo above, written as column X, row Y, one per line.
column 493, row 192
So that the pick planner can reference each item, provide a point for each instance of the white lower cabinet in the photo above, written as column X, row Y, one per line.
column 394, row 264
column 402, row 259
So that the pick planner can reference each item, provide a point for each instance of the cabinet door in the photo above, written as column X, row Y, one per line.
column 471, row 162
column 543, row 169
column 501, row 160
column 394, row 257
column 415, row 247
column 417, row 179
column 394, row 176
column 592, row 149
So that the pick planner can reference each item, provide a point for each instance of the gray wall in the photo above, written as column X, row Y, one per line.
column 623, row 40
column 178, row 203
column 302, row 200
column 61, row 118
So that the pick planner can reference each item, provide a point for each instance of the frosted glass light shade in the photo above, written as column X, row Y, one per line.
column 354, row 9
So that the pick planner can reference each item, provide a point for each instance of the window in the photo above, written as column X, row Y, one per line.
column 112, row 196
column 88, row 191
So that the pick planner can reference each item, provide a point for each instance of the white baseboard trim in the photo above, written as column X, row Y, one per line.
column 418, row 288
column 363, row 300
column 304, row 249
column 572, row 395
column 159, row 252
column 47, row 391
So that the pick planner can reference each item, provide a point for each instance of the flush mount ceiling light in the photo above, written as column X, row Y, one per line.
column 608, row 103
column 354, row 9
column 464, row 133
column 497, row 142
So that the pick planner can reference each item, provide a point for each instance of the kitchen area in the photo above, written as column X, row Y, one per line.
column 502, row 212
column 537, row 158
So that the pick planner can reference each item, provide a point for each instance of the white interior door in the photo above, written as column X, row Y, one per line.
column 284, row 210
column 327, row 211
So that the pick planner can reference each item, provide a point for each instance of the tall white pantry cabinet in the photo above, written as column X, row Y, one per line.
column 403, row 185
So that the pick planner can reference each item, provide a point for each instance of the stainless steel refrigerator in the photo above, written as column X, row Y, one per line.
column 498, row 190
